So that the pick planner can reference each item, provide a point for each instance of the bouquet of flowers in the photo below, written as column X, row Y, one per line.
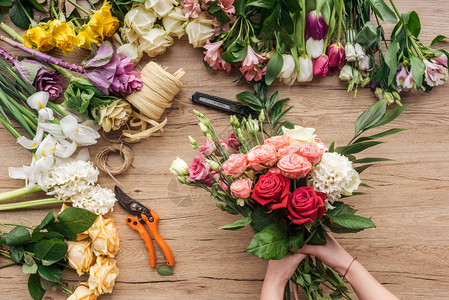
column 288, row 185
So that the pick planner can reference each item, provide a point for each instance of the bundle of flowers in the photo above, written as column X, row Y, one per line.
column 289, row 187
column 295, row 41
column 149, row 27
column 77, row 238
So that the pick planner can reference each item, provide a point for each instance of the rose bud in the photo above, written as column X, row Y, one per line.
column 350, row 52
column 104, row 237
column 321, row 66
column 241, row 188
column 102, row 275
column 336, row 55
column 316, row 26
column 82, row 292
column 80, row 256
column 314, row 48
column 305, row 69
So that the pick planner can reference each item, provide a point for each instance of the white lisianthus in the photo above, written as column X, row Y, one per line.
column 364, row 63
column 350, row 52
column 332, row 176
column 137, row 21
column 300, row 135
column 346, row 73
column 160, row 7
column 179, row 167
column 175, row 22
column 95, row 199
column 200, row 30
column 288, row 73
column 155, row 41
column 305, row 69
column 359, row 52
column 314, row 48
column 353, row 184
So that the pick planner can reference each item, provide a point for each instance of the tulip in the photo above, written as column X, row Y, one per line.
column 321, row 66
column 346, row 73
column 364, row 63
column 288, row 73
column 305, row 69
column 316, row 26
column 350, row 52
column 336, row 55
column 314, row 47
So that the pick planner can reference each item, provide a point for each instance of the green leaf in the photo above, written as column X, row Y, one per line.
column 367, row 36
column 164, row 270
column 274, row 67
column 332, row 147
column 18, row 15
column 5, row 2
column 18, row 236
column 297, row 241
column 16, row 254
column 366, row 185
column 50, row 250
column 51, row 273
column 353, row 222
column 412, row 23
column 77, row 220
column 390, row 116
column 391, row 59
column 51, row 235
column 418, row 69
column 30, row 266
column 49, row 219
column 34, row 287
column 237, row 224
column 60, row 228
column 268, row 4
column 438, row 39
column 340, row 208
column 370, row 116
column 48, row 285
column 356, row 148
column 37, row 6
column 382, row 10
column 380, row 135
column 370, row 160
column 270, row 243
column 250, row 98
column 260, row 218
column 362, row 168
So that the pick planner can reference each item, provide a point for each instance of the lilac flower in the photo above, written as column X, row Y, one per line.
column 50, row 82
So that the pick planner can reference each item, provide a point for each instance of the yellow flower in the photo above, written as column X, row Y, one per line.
column 64, row 35
column 82, row 292
column 86, row 37
column 102, row 22
column 37, row 37
column 80, row 256
column 104, row 235
column 102, row 275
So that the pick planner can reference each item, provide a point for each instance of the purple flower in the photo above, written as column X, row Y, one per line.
column 50, row 82
column 316, row 26
column 125, row 80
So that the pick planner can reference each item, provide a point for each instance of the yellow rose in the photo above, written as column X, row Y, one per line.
column 104, row 237
column 37, row 37
column 102, row 22
column 80, row 256
column 82, row 292
column 102, row 275
column 64, row 35
column 86, row 37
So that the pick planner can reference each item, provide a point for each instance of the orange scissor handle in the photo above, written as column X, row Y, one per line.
column 134, row 223
column 157, row 237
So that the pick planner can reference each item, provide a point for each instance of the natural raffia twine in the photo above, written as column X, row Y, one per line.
column 101, row 159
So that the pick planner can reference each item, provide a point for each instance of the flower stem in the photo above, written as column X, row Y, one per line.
column 10, row 128
column 7, row 265
column 340, row 17
column 14, row 224
column 395, row 9
column 42, row 56
column 19, row 192
column 64, row 288
column 79, row 7
column 11, row 32
column 4, row 254
column 32, row 22
column 11, row 206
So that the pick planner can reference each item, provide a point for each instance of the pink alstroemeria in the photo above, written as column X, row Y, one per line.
column 191, row 8
column 250, row 68
column 227, row 6
column 436, row 73
column 321, row 66
column 409, row 82
column 441, row 60
column 336, row 55
column 401, row 76
column 213, row 56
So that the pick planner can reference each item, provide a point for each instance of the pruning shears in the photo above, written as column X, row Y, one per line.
column 141, row 215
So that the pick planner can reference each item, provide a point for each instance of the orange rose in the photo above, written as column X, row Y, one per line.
column 278, row 142
column 241, row 188
column 235, row 165
column 294, row 166
column 262, row 157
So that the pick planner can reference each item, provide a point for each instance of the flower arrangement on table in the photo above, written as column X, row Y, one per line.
column 286, row 184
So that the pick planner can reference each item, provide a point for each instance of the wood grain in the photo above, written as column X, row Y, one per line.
column 408, row 251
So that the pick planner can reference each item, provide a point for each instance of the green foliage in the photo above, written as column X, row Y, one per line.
column 367, row 36
column 237, row 224
column 382, row 10
column 77, row 220
column 353, row 222
column 270, row 243
column 438, row 39
column 164, row 270
column 274, row 67
column 18, row 14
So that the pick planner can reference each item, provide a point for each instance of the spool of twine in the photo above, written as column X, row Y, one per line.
column 101, row 159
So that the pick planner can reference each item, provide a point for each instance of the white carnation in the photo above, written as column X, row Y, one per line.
column 95, row 199
column 332, row 175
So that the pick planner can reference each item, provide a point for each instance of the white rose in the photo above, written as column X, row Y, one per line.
column 155, row 41
column 353, row 184
column 288, row 73
column 131, row 51
column 174, row 22
column 200, row 30
column 179, row 167
column 300, row 135
column 137, row 22
column 305, row 69
column 346, row 73
column 314, row 48
column 160, row 7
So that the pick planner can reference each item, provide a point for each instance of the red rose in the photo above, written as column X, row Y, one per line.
column 305, row 205
column 272, row 189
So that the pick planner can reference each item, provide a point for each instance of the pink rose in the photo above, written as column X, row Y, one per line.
column 278, row 142
column 262, row 157
column 274, row 170
column 292, row 149
column 313, row 153
column 235, row 165
column 241, row 188
column 199, row 169
column 233, row 142
column 208, row 148
column 294, row 166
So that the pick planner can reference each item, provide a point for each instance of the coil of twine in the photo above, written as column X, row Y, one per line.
column 101, row 159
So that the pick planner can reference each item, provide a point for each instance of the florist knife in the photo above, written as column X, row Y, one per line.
column 223, row 104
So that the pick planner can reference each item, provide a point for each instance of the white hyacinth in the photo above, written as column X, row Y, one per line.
column 70, row 179
column 332, row 176
column 95, row 199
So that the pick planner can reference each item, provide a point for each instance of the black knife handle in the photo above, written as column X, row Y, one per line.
column 219, row 103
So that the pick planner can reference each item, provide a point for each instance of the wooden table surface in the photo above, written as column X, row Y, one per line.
column 408, row 251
